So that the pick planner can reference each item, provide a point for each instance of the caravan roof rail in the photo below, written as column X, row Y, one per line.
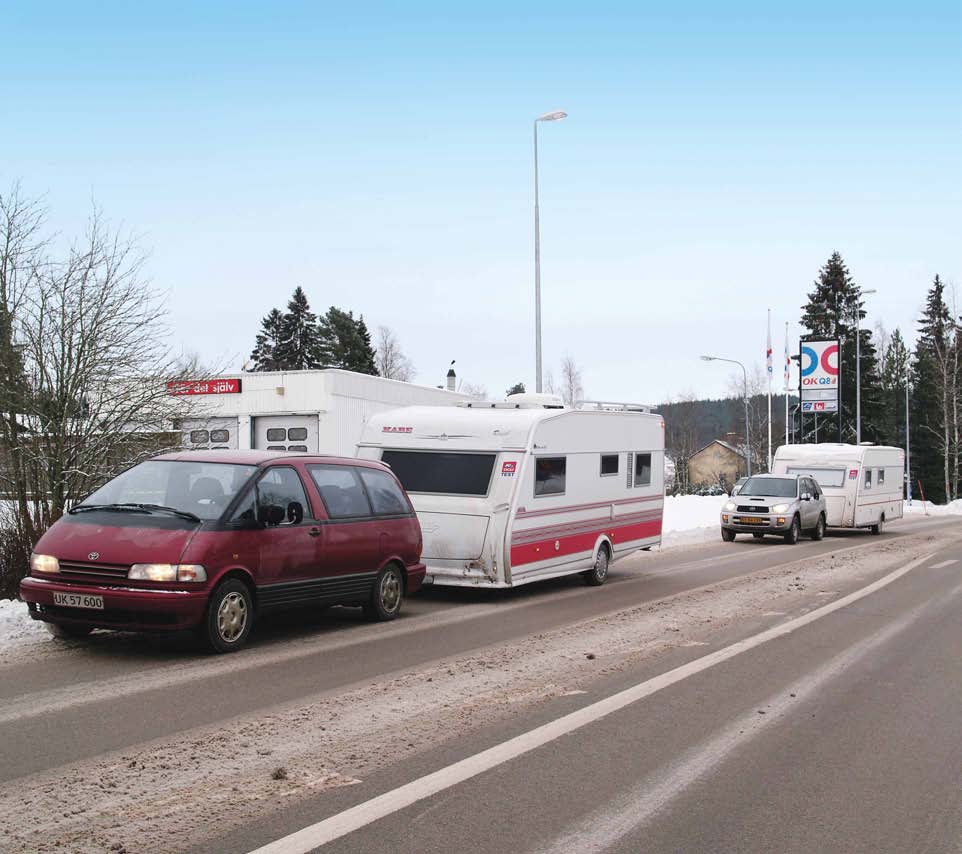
column 614, row 406
column 496, row 404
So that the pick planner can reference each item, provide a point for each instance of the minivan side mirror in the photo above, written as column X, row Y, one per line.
column 272, row 514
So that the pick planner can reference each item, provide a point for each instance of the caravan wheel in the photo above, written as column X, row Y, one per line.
column 879, row 526
column 596, row 576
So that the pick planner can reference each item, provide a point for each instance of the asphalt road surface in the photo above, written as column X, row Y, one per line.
column 843, row 735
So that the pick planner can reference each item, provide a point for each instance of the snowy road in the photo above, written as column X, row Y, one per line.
column 123, row 742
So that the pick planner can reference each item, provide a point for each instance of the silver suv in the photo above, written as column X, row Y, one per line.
column 775, row 504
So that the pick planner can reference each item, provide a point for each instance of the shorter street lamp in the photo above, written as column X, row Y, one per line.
column 748, row 442
column 858, row 368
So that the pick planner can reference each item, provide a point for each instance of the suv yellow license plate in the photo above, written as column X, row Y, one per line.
column 752, row 520
column 78, row 600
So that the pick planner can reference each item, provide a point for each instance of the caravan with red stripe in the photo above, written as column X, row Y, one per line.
column 523, row 490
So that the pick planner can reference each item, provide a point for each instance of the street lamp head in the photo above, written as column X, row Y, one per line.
column 707, row 358
column 869, row 291
column 552, row 117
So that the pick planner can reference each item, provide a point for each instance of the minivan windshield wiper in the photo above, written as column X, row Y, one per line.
column 131, row 507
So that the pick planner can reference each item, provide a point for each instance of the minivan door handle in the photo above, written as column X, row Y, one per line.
column 315, row 532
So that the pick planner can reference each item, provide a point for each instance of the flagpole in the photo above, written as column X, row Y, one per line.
column 788, row 377
column 770, row 371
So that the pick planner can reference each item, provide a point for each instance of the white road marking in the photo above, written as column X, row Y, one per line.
column 341, row 824
column 633, row 810
column 944, row 564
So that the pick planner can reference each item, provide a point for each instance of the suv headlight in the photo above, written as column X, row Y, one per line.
column 730, row 505
column 44, row 563
column 167, row 572
column 780, row 508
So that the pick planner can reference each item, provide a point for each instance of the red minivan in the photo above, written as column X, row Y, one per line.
column 211, row 539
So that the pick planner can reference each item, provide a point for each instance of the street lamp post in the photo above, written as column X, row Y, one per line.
column 908, row 440
column 748, row 441
column 858, row 369
column 547, row 117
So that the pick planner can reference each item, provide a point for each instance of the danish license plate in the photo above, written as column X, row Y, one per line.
column 752, row 520
column 78, row 600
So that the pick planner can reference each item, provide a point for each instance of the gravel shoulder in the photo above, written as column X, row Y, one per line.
column 173, row 793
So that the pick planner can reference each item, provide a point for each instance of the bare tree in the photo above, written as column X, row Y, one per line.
column 94, row 363
column 571, row 387
column 474, row 390
column 390, row 360
column 681, row 439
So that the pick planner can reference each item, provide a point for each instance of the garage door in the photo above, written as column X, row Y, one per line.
column 286, row 433
column 203, row 433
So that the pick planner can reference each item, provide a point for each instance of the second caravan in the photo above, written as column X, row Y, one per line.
column 510, row 493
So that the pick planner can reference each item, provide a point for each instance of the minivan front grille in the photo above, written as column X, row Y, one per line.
column 75, row 571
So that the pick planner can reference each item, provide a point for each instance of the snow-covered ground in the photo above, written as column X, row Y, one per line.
column 927, row 508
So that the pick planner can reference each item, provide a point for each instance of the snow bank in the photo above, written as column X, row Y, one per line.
column 17, row 630
column 927, row 508
column 691, row 518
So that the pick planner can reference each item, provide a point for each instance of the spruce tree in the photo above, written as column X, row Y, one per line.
column 300, row 343
column 933, row 393
column 893, row 379
column 517, row 388
column 830, row 313
column 263, row 355
column 347, row 342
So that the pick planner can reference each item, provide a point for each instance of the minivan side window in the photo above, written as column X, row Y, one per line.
column 386, row 498
column 342, row 491
column 549, row 475
column 281, row 486
column 642, row 469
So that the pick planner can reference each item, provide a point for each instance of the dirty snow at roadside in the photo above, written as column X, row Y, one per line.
column 17, row 631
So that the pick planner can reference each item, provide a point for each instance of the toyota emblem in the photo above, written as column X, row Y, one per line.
column 93, row 555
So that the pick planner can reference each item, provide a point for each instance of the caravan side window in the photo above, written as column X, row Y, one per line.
column 609, row 464
column 881, row 477
column 549, row 475
column 868, row 478
column 642, row 469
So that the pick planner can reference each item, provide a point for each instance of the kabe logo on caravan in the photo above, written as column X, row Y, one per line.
column 509, row 468
column 397, row 429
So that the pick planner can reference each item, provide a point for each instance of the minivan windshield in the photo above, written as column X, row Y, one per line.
column 192, row 489
column 776, row 487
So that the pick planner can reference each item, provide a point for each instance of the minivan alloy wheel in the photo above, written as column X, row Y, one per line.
column 390, row 592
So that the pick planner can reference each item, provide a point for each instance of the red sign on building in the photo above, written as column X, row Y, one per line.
column 222, row 386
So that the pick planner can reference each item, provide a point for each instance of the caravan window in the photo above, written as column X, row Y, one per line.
column 609, row 464
column 881, row 477
column 826, row 478
column 549, row 475
column 868, row 478
column 642, row 469
column 441, row 473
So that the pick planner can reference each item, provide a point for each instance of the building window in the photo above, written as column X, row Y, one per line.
column 200, row 437
column 549, row 477
column 609, row 464
column 642, row 469
column 219, row 436
column 297, row 434
column 276, row 434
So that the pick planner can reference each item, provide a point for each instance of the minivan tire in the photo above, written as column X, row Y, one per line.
column 61, row 632
column 818, row 532
column 229, row 617
column 791, row 537
column 598, row 574
column 387, row 595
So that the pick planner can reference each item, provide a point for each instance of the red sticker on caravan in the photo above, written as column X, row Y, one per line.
column 509, row 468
column 852, row 474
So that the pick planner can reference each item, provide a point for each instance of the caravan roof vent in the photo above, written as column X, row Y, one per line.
column 546, row 401
column 613, row 406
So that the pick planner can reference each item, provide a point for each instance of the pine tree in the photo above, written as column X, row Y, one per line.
column 347, row 342
column 263, row 355
column 830, row 313
column 517, row 388
column 300, row 344
column 894, row 376
column 933, row 397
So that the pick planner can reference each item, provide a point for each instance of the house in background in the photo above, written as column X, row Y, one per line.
column 719, row 462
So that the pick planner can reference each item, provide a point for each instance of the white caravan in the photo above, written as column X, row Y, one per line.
column 862, row 483
column 509, row 493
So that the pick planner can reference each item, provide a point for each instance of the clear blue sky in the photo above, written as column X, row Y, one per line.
column 379, row 155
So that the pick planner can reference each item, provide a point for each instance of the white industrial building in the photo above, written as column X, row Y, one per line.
column 316, row 411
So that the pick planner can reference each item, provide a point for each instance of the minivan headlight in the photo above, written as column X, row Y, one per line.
column 780, row 508
column 167, row 572
column 44, row 563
